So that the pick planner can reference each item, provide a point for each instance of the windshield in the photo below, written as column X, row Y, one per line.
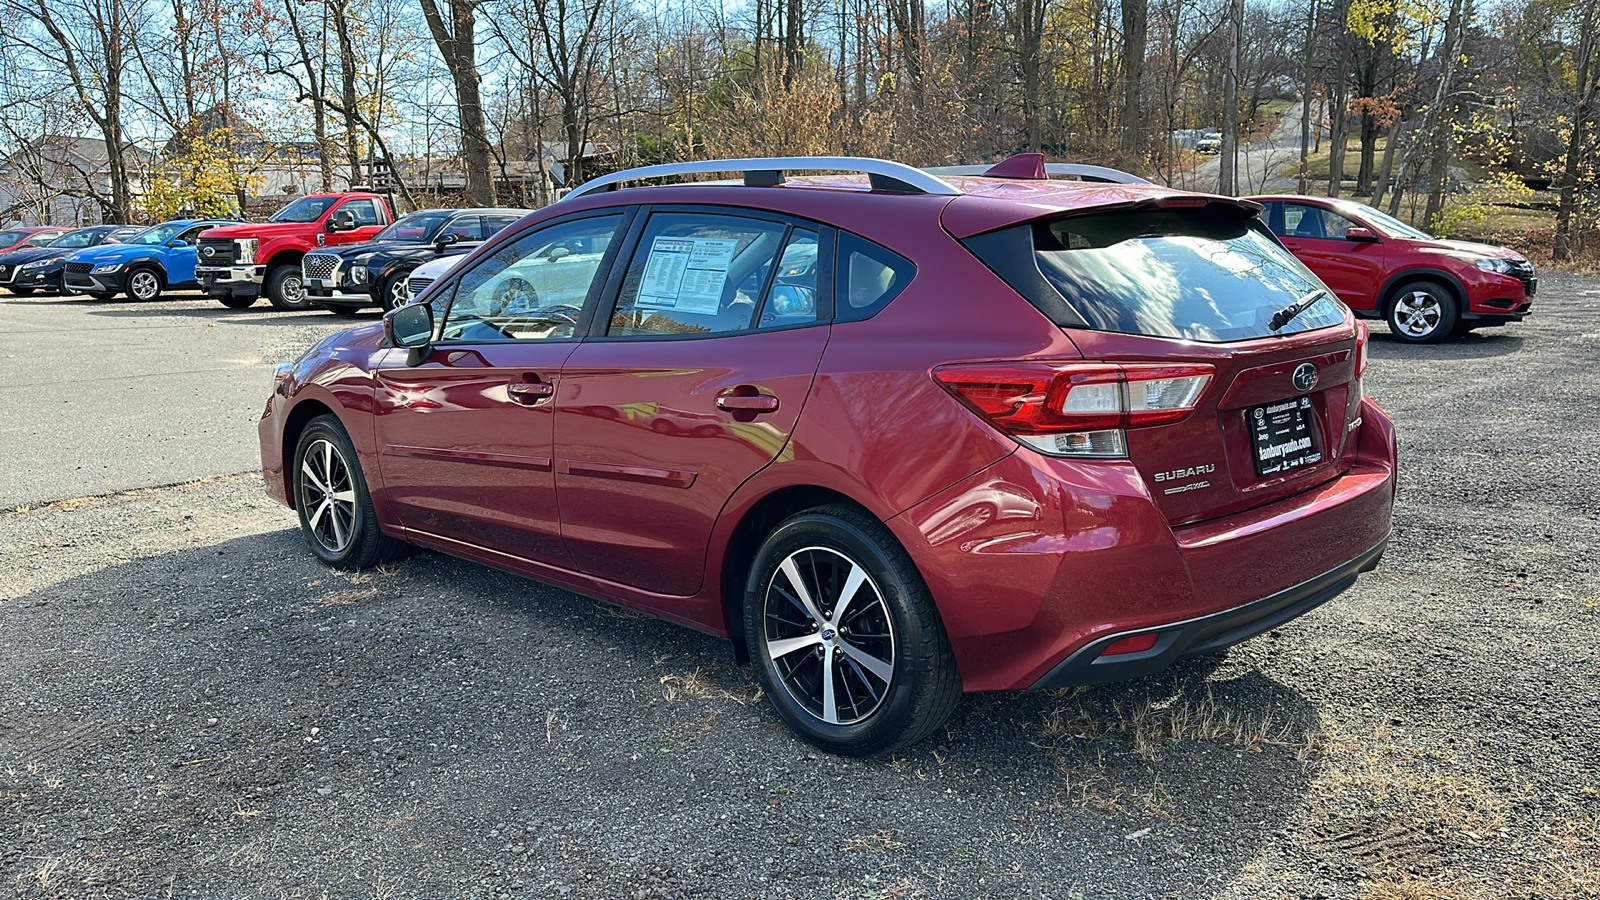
column 7, row 238
column 1189, row 275
column 157, row 234
column 84, row 238
column 306, row 209
column 418, row 228
column 121, row 234
column 1384, row 223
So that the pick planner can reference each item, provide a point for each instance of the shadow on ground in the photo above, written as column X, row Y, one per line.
column 237, row 721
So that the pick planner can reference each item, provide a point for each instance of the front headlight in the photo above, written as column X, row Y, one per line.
column 106, row 269
column 1502, row 266
column 358, row 274
column 247, row 250
column 40, row 263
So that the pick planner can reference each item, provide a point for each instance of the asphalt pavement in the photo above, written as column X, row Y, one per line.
column 192, row 707
column 102, row 396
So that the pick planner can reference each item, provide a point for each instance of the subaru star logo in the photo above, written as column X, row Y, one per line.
column 827, row 634
column 1305, row 377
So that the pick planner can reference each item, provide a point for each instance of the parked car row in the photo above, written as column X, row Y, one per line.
column 341, row 252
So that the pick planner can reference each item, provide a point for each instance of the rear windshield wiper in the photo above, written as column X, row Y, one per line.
column 1283, row 316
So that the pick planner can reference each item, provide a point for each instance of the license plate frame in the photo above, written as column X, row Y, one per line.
column 1283, row 436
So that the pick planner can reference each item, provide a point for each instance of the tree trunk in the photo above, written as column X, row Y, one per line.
column 457, row 44
column 1227, row 174
column 1567, row 239
column 1304, row 180
column 1134, row 40
column 1386, row 168
column 1444, row 113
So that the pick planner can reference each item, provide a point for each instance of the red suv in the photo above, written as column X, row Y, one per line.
column 1428, row 289
column 899, row 437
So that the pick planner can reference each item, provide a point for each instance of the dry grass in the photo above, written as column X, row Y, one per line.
column 1157, row 724
column 881, row 841
column 697, row 685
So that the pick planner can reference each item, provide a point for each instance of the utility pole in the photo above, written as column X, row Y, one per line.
column 1227, row 176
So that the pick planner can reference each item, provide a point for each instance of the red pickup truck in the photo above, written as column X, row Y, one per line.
column 239, row 263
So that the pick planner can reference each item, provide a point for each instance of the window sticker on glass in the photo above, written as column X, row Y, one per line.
column 686, row 274
column 1292, row 216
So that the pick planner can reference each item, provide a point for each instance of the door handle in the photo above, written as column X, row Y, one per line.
column 530, row 392
column 747, row 403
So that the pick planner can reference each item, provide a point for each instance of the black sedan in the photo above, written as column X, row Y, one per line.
column 39, row 268
column 351, row 277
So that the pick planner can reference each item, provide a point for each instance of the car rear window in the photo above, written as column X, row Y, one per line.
column 1199, row 275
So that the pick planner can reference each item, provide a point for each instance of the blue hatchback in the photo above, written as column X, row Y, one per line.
column 162, row 257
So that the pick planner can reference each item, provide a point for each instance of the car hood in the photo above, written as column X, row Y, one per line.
column 1465, row 248
column 29, row 254
column 351, row 251
column 106, row 253
column 261, row 230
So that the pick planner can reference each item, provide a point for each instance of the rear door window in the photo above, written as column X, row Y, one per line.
column 1195, row 275
column 1302, row 220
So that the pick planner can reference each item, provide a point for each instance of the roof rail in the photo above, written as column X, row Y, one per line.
column 882, row 174
column 1083, row 172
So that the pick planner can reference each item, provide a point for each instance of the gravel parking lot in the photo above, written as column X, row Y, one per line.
column 191, row 706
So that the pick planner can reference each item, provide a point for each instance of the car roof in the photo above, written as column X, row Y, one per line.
column 969, row 204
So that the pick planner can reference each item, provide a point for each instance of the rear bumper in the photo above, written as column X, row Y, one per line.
column 1036, row 564
column 1206, row 633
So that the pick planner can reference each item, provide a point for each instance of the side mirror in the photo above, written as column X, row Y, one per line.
column 445, row 240
column 793, row 300
column 558, row 252
column 176, row 243
column 409, row 326
column 1361, row 235
column 343, row 220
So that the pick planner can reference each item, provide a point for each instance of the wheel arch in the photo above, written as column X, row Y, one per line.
column 285, row 256
column 753, row 526
column 1392, row 287
column 153, row 263
column 294, row 423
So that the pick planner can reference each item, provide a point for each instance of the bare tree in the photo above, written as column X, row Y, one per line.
column 457, row 41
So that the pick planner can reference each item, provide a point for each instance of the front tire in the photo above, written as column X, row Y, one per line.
column 144, row 285
column 1423, row 312
column 237, row 301
column 22, row 291
column 337, row 518
column 844, row 637
column 286, row 288
column 394, row 291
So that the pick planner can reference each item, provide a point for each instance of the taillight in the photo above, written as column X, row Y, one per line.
column 1076, row 409
column 1363, row 336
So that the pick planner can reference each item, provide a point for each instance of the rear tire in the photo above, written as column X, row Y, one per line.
column 1423, row 312
column 854, row 657
column 286, row 289
column 237, row 301
column 337, row 518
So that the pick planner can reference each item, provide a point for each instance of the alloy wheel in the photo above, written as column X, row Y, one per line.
column 398, row 295
column 1417, row 313
column 829, row 635
column 144, row 285
column 328, row 492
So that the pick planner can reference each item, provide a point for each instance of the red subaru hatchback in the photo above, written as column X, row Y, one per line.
column 899, row 436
